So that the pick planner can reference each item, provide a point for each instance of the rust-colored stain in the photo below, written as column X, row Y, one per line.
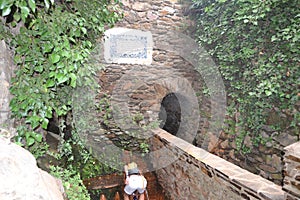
column 104, row 182
column 155, row 191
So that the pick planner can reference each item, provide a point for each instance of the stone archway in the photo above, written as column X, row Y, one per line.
column 143, row 91
column 170, row 114
column 173, row 114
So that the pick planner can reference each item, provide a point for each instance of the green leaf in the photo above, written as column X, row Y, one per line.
column 49, row 112
column 268, row 92
column 84, row 31
column 54, row 58
column 39, row 68
column 2, row 4
column 47, row 47
column 61, row 78
column 50, row 83
column 38, row 137
column 30, row 141
column 17, row 16
column 32, row 5
column 24, row 13
column 45, row 123
column 6, row 4
column 18, row 59
column 73, row 80
column 6, row 11
column 77, row 57
column 34, row 121
column 19, row 143
column 52, row 74
column 47, row 5
column 66, row 54
column 273, row 38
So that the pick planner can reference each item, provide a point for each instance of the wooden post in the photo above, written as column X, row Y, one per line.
column 117, row 196
column 102, row 197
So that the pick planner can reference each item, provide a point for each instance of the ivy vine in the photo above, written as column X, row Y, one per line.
column 52, row 47
column 256, row 46
column 51, row 53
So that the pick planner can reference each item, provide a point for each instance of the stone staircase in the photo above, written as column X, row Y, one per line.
column 155, row 191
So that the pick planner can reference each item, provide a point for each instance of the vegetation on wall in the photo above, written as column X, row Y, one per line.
column 52, row 42
column 51, row 53
column 256, row 45
column 72, row 182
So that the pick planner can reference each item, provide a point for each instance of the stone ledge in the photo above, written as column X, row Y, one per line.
column 293, row 149
column 234, row 175
column 292, row 170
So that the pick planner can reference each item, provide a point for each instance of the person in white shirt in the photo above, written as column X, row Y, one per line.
column 135, row 181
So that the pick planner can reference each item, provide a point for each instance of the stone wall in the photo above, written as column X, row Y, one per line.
column 141, row 88
column 197, row 174
column 292, row 171
column 264, row 159
column 144, row 87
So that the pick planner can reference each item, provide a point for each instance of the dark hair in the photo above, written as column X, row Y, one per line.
column 133, row 171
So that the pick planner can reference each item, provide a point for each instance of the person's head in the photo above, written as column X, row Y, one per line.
column 133, row 169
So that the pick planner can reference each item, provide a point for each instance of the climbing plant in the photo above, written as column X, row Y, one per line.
column 72, row 183
column 51, row 53
column 256, row 46
column 52, row 42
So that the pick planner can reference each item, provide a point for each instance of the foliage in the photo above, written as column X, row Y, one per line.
column 72, row 183
column 74, row 153
column 51, row 53
column 39, row 149
column 4, row 31
column 105, row 110
column 138, row 117
column 144, row 148
column 256, row 46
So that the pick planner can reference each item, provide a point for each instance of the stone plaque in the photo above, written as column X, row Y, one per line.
column 128, row 46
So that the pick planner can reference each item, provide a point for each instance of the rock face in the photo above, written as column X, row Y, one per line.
column 5, row 76
column 20, row 178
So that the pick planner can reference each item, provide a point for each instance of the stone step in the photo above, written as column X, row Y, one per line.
column 155, row 191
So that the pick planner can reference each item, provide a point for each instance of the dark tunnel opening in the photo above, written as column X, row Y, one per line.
column 170, row 114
